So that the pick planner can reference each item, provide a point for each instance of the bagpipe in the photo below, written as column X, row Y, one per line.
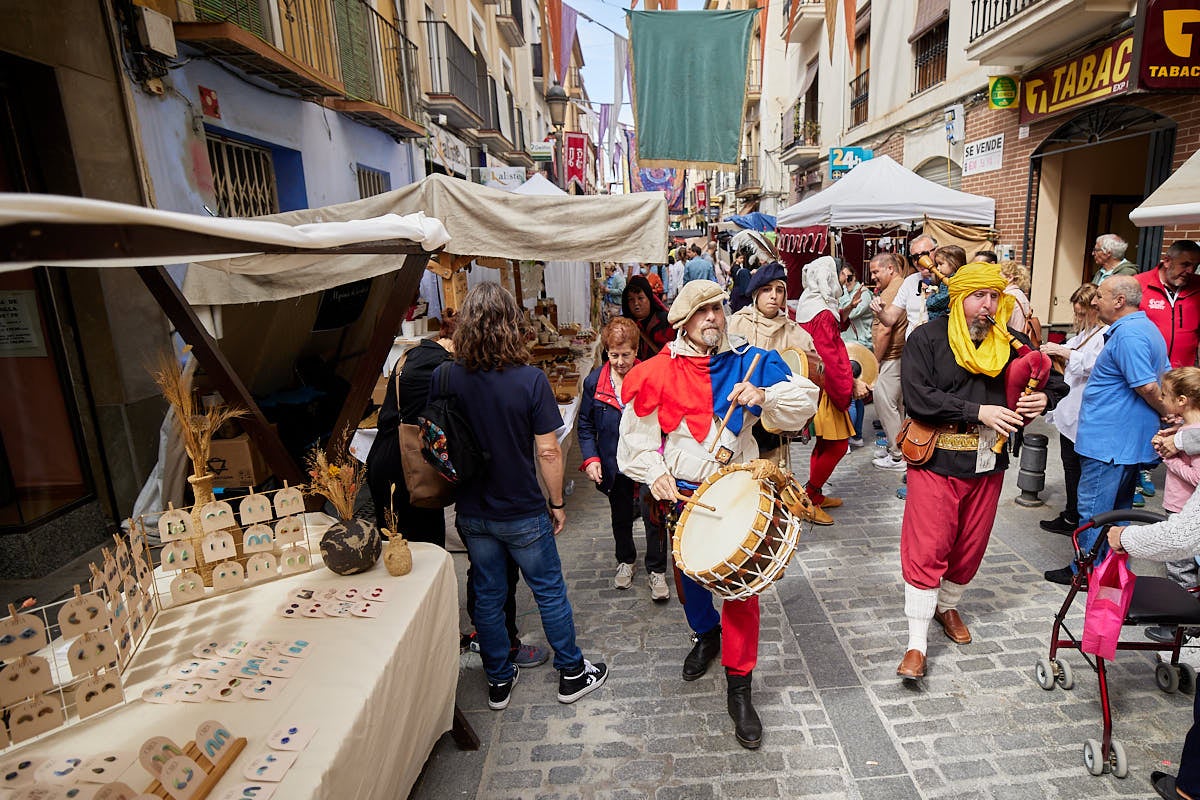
column 1025, row 374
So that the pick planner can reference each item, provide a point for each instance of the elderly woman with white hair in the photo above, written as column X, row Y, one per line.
column 817, row 314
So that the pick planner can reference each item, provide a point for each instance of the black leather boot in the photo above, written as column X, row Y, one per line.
column 707, row 647
column 746, row 725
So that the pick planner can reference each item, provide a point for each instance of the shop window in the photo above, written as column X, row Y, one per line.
column 372, row 181
column 929, row 58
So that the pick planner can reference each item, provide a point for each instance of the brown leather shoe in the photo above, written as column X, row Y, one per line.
column 819, row 516
column 913, row 665
column 831, row 502
column 953, row 625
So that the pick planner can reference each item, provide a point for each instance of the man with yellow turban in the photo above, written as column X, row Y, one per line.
column 953, row 379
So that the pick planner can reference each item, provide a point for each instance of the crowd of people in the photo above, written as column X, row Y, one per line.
column 951, row 333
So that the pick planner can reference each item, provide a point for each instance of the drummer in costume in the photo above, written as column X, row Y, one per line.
column 764, row 323
column 817, row 313
column 957, row 375
column 674, row 406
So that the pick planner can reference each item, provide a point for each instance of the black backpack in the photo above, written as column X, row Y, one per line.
column 447, row 441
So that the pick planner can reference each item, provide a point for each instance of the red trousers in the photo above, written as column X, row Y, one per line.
column 946, row 528
column 826, row 454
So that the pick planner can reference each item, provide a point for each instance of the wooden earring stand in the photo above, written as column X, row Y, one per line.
column 213, row 772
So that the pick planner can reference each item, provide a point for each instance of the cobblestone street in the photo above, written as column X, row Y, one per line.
column 837, row 720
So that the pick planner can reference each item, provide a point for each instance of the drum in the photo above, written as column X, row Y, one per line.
column 744, row 546
column 806, row 365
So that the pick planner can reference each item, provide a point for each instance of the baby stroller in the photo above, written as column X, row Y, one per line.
column 1156, row 601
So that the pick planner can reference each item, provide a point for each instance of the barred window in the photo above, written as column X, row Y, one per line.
column 929, row 57
column 243, row 178
column 372, row 181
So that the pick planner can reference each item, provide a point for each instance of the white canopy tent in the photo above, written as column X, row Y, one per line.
column 569, row 283
column 882, row 192
column 1176, row 202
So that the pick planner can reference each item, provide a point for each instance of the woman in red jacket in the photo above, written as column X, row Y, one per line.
column 817, row 313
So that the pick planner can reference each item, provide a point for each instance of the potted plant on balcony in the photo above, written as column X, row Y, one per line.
column 350, row 545
column 812, row 132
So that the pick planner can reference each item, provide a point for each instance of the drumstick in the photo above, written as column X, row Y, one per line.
column 691, row 501
column 729, row 413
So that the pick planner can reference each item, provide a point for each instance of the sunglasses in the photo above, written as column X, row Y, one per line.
column 915, row 256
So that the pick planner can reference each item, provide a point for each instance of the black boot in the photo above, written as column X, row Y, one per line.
column 746, row 725
column 707, row 647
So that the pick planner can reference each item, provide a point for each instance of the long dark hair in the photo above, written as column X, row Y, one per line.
column 491, row 330
column 638, row 283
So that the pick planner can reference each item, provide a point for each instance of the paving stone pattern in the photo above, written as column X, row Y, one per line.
column 838, row 722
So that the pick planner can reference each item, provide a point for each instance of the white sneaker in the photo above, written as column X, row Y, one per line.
column 658, row 587
column 624, row 576
column 887, row 462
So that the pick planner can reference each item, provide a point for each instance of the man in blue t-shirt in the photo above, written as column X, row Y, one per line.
column 502, row 513
column 698, row 268
column 1122, row 407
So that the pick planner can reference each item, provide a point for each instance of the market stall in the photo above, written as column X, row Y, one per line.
column 878, row 198
column 1175, row 202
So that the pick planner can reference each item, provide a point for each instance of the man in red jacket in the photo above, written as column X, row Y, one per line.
column 1171, row 299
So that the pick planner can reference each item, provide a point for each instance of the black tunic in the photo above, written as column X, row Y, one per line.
column 939, row 392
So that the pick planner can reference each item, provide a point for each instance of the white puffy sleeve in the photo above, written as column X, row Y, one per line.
column 637, row 447
column 789, row 404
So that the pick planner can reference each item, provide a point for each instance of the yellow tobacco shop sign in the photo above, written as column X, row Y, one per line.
column 1100, row 73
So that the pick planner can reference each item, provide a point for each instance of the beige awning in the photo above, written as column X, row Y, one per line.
column 1176, row 202
column 929, row 14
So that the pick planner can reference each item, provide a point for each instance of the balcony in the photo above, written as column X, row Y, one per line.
column 859, row 95
column 748, row 183
column 517, row 157
column 1017, row 33
column 574, row 82
column 539, row 71
column 509, row 20
column 754, row 79
column 299, row 54
column 800, row 141
column 491, row 132
column 379, row 67
column 453, row 83
column 810, row 17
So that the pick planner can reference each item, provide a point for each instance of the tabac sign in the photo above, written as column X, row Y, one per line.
column 1168, row 37
column 1100, row 73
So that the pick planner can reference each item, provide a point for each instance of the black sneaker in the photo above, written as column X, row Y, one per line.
column 1161, row 633
column 499, row 693
column 1058, row 525
column 573, row 687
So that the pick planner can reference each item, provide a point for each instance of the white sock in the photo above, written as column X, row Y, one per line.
column 949, row 594
column 918, row 607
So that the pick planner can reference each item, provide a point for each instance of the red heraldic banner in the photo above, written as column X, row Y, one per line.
column 576, row 153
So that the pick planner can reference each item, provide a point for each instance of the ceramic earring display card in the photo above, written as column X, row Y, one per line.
column 367, row 610
column 258, row 539
column 90, row 652
column 186, row 588
column 98, row 692
column 178, row 555
column 216, row 516
column 181, row 777
column 228, row 690
column 291, row 737
column 279, row 667
column 33, row 717
column 271, row 766
column 59, row 771
column 292, row 560
column 24, row 678
column 213, row 738
column 261, row 566
column 263, row 689
column 4, row 742
column 289, row 501
column 228, row 575
column 21, row 634
column 252, row 790
column 295, row 649
column 174, row 525
column 155, row 752
column 217, row 546
column 18, row 772
column 289, row 530
column 254, row 508
column 105, row 767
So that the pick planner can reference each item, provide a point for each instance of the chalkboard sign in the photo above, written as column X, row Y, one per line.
column 342, row 305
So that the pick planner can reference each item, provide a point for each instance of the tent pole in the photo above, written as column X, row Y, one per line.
column 170, row 298
column 370, row 364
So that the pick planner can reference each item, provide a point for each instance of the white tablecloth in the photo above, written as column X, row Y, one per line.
column 381, row 691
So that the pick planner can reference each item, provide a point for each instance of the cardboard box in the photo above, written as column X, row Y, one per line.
column 380, row 391
column 236, row 463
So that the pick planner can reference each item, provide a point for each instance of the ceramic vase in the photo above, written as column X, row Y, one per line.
column 397, row 557
column 351, row 546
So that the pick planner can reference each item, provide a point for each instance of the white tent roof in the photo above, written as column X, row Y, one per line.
column 539, row 185
column 1176, row 202
column 882, row 192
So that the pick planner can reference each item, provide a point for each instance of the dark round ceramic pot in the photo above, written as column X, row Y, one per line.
column 351, row 546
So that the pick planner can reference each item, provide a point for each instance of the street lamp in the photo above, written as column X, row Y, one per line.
column 557, row 100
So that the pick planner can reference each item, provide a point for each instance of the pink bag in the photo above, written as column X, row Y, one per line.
column 1110, row 590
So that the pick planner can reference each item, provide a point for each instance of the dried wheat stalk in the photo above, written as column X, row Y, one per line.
column 196, row 427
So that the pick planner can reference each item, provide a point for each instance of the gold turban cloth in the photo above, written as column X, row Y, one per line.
column 990, row 356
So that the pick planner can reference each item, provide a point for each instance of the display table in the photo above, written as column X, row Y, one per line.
column 381, row 691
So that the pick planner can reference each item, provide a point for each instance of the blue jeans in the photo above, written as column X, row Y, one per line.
column 858, row 410
column 530, row 542
column 1102, row 487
